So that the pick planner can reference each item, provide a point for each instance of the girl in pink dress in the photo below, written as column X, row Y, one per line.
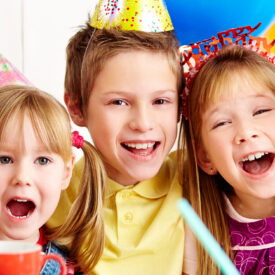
column 229, row 134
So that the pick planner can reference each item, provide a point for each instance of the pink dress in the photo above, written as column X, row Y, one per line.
column 253, row 243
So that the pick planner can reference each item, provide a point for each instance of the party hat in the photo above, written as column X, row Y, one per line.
column 138, row 15
column 195, row 55
column 9, row 75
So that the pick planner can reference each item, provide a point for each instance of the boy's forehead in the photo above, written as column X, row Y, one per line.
column 129, row 60
column 126, row 67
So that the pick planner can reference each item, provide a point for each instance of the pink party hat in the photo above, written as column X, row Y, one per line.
column 138, row 15
column 9, row 75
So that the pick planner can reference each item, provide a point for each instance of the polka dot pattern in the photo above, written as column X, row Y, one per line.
column 140, row 15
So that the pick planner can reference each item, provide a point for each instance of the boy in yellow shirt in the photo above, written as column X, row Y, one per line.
column 122, row 82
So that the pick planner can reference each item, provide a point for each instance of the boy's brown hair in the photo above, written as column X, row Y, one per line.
column 99, row 45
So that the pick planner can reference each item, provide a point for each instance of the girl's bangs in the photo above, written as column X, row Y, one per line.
column 54, row 134
column 227, row 83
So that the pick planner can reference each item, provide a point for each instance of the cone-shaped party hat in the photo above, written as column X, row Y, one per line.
column 138, row 15
column 9, row 75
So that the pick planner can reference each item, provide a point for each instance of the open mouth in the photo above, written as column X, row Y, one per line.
column 20, row 209
column 142, row 149
column 257, row 164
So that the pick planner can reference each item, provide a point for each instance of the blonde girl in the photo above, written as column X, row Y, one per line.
column 36, row 162
column 228, row 132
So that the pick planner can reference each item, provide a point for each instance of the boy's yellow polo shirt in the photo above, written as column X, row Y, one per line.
column 143, row 229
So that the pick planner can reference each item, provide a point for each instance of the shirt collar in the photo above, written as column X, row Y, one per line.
column 154, row 188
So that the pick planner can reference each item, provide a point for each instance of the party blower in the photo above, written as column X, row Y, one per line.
column 206, row 238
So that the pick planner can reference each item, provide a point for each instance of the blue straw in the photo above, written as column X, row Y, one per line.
column 206, row 238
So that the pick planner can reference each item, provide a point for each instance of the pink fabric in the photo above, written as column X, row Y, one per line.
column 253, row 243
column 9, row 75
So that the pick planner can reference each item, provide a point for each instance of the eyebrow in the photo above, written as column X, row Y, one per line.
column 128, row 92
column 256, row 96
column 10, row 147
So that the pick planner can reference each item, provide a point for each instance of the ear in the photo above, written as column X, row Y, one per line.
column 204, row 161
column 75, row 112
column 68, row 169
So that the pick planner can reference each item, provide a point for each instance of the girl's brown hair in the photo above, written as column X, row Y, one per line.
column 51, row 124
column 205, row 192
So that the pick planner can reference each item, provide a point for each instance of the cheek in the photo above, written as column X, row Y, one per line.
column 52, row 181
column 173, row 132
column 215, row 147
column 169, row 121
column 103, row 133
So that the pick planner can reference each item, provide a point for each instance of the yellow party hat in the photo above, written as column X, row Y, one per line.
column 138, row 15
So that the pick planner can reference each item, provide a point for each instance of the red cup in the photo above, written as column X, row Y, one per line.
column 23, row 258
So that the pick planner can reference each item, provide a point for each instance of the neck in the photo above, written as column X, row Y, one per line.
column 253, row 209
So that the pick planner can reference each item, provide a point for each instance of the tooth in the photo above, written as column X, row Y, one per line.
column 258, row 155
column 140, row 145
column 20, row 200
column 130, row 145
column 251, row 157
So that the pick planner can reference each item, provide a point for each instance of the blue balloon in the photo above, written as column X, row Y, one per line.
column 197, row 20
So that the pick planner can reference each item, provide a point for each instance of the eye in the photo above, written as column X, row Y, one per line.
column 160, row 101
column 42, row 161
column 219, row 124
column 261, row 111
column 5, row 160
column 119, row 102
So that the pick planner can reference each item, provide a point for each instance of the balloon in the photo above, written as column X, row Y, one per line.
column 197, row 20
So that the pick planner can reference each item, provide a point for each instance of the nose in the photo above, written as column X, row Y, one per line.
column 141, row 119
column 22, row 175
column 245, row 132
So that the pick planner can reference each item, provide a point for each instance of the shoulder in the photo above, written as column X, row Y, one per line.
column 168, row 174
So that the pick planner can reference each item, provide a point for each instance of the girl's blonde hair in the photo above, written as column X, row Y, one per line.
column 51, row 123
column 205, row 192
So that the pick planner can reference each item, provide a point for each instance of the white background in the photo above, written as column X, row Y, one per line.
column 34, row 35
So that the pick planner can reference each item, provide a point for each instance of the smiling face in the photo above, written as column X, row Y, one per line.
column 238, row 140
column 31, row 181
column 132, row 114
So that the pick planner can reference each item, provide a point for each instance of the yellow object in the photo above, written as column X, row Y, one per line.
column 139, row 15
column 270, row 35
column 144, row 229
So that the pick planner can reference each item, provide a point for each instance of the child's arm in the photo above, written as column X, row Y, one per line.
column 190, row 261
